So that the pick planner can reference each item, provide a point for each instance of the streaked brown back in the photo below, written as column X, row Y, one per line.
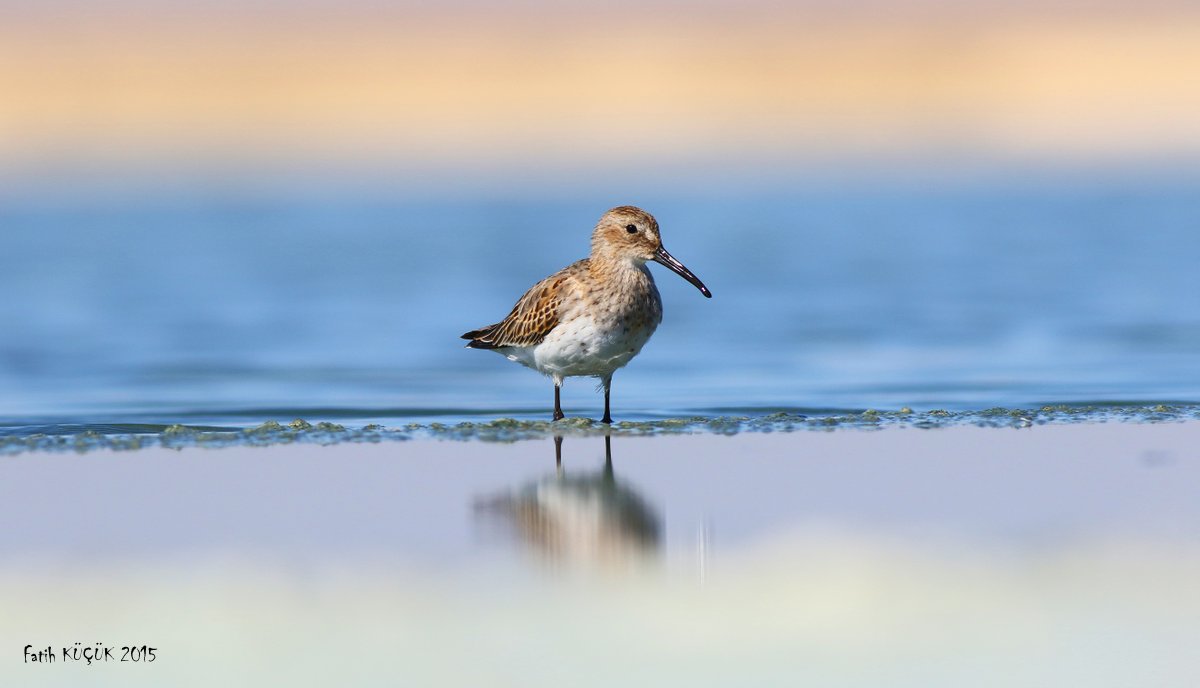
column 534, row 316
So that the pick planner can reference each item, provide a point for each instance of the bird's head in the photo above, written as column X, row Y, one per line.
column 629, row 233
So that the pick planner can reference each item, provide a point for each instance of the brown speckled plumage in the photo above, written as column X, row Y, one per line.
column 535, row 314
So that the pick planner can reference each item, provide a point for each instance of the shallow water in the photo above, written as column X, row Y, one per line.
column 224, row 310
column 845, row 559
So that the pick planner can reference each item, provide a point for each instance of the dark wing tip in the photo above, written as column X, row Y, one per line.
column 477, row 338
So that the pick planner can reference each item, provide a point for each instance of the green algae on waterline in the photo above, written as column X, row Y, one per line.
column 271, row 433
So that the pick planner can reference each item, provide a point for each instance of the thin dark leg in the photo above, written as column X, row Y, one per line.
column 607, row 418
column 558, row 450
column 558, row 414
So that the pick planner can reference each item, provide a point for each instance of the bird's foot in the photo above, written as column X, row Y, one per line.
column 559, row 415
column 607, row 419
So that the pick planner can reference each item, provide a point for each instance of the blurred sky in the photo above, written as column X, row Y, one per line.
column 474, row 95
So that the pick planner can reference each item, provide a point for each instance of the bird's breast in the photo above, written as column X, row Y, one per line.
column 602, row 331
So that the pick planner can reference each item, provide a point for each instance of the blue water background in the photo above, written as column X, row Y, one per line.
column 226, row 309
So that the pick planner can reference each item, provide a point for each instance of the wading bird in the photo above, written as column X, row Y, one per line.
column 593, row 316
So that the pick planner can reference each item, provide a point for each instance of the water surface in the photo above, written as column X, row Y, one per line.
column 226, row 309
column 1058, row 555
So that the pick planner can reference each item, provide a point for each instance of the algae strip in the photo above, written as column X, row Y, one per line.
column 509, row 430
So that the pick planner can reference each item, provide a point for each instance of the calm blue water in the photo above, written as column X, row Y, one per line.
column 227, row 310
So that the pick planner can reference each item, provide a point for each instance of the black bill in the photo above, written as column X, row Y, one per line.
column 663, row 258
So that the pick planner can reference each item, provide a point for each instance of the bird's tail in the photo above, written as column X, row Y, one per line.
column 479, row 338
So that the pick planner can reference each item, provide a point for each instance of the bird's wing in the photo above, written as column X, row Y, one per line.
column 535, row 314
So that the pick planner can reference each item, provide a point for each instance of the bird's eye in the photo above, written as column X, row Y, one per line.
column 632, row 229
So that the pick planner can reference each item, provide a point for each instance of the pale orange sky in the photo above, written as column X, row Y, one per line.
column 405, row 87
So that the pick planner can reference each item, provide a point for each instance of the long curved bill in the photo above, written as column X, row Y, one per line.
column 663, row 258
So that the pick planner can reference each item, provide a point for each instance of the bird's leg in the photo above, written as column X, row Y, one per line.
column 558, row 451
column 607, row 384
column 558, row 414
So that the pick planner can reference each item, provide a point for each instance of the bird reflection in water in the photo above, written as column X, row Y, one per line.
column 589, row 519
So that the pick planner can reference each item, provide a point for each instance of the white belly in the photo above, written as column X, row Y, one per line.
column 582, row 347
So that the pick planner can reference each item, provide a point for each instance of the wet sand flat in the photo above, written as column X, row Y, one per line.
column 1053, row 555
